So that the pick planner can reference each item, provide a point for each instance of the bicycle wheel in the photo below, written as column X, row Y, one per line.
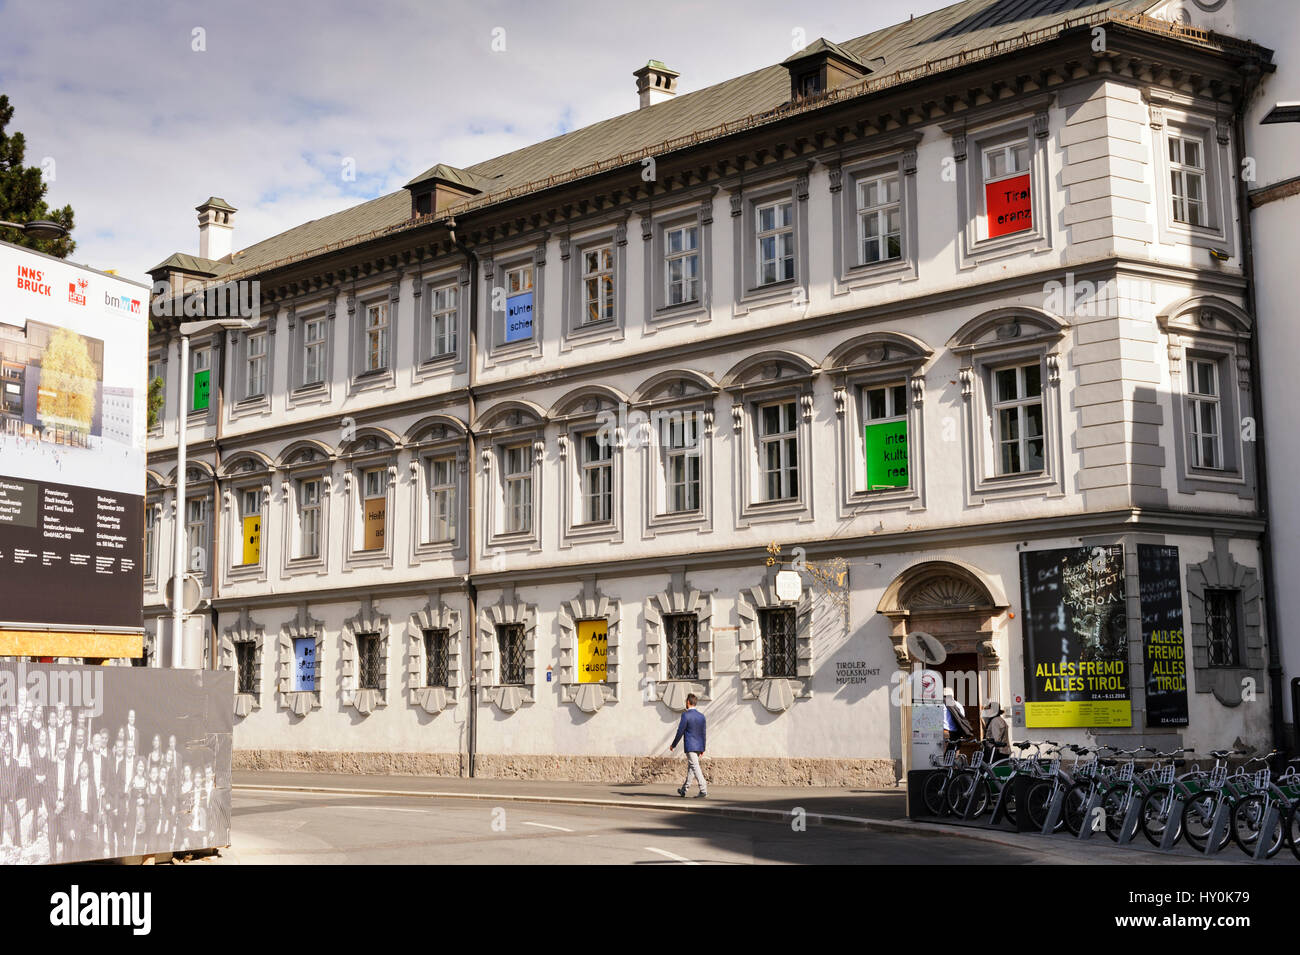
column 1076, row 805
column 1248, row 821
column 933, row 792
column 959, row 794
column 1198, row 820
column 1113, row 806
column 1293, row 828
column 1154, row 816
column 1039, row 803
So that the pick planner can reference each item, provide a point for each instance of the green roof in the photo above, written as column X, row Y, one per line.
column 216, row 202
column 184, row 262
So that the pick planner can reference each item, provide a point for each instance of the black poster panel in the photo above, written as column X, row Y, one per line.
column 70, row 556
column 1163, row 652
column 1074, row 616
column 102, row 762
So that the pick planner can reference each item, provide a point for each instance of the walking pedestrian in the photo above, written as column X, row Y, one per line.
column 692, row 727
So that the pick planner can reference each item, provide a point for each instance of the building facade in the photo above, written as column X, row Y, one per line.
column 951, row 320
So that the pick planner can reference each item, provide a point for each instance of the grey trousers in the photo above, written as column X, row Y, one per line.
column 693, row 766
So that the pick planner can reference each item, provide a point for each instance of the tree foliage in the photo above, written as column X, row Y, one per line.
column 66, row 397
column 22, row 193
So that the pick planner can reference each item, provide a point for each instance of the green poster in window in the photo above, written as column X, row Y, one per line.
column 199, row 401
column 886, row 443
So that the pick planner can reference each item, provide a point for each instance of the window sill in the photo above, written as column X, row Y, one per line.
column 304, row 565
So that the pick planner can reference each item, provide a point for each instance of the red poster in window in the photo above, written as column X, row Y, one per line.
column 1009, row 206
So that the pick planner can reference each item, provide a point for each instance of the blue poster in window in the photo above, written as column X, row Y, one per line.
column 519, row 317
column 304, row 664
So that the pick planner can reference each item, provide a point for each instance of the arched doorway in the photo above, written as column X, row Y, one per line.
column 958, row 606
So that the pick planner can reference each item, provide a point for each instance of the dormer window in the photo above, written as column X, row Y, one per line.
column 820, row 67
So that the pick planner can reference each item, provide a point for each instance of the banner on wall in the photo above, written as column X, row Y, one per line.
column 304, row 664
column 519, row 317
column 253, row 540
column 1009, row 205
column 593, row 651
column 1163, row 651
column 1076, row 637
column 886, row 452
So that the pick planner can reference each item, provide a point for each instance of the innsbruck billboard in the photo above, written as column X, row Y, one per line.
column 72, row 454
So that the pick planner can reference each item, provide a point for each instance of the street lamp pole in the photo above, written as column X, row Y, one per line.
column 180, row 561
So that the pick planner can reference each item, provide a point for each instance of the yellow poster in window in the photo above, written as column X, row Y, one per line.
column 593, row 651
column 376, row 511
column 253, row 540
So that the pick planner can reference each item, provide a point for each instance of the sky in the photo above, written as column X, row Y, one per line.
column 138, row 110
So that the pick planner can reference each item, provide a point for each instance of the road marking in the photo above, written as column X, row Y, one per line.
column 542, row 825
column 670, row 855
column 380, row 809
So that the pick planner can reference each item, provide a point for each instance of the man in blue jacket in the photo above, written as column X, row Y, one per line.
column 692, row 727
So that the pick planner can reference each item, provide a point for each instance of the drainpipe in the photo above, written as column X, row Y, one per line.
column 471, row 411
column 1266, row 557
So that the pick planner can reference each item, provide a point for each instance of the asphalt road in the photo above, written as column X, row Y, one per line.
column 329, row 829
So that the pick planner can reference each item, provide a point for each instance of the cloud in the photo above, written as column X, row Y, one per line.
column 149, row 107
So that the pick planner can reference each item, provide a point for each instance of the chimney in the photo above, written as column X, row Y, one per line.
column 655, row 83
column 216, row 229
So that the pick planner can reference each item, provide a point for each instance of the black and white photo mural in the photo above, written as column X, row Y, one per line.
column 101, row 762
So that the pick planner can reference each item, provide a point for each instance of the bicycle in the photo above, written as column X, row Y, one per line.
column 1266, row 807
column 936, row 785
column 1207, row 813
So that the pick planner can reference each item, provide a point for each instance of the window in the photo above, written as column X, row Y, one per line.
column 150, row 539
column 682, row 632
column 1203, row 413
column 1187, row 180
column 598, row 285
column 376, row 340
column 436, row 657
column 518, row 488
column 246, row 666
column 443, row 310
column 884, row 414
column 442, row 499
column 368, row 659
column 255, row 367
column 1221, row 628
column 200, row 379
column 1018, row 413
column 779, row 450
column 777, row 627
column 196, row 534
column 519, row 304
column 309, row 522
column 510, row 644
column 250, row 523
column 682, row 265
column 374, row 507
column 597, row 479
column 1007, row 192
column 680, row 444
column 774, row 238
column 880, row 223
column 313, row 352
